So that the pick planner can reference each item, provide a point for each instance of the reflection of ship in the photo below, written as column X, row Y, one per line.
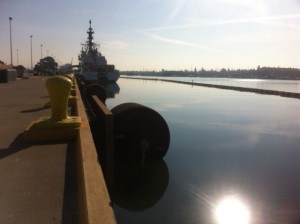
column 93, row 65
column 111, row 89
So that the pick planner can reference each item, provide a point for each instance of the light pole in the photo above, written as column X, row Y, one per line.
column 17, row 56
column 47, row 53
column 31, row 49
column 41, row 51
column 11, row 59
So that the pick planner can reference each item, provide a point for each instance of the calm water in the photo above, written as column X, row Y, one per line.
column 234, row 157
column 280, row 85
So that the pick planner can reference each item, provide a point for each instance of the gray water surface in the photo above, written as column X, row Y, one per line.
column 234, row 157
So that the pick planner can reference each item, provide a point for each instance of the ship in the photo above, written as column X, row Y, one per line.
column 93, row 66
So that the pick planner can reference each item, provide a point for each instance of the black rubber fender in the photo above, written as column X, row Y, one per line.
column 94, row 89
column 142, row 134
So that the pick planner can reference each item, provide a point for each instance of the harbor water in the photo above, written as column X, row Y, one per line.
column 234, row 157
column 267, row 84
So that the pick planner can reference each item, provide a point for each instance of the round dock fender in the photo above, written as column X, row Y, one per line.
column 94, row 89
column 142, row 135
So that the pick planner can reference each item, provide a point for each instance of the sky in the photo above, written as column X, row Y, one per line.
column 151, row 35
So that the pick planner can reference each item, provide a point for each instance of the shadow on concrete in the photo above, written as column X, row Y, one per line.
column 17, row 145
column 70, row 201
column 33, row 110
column 70, row 208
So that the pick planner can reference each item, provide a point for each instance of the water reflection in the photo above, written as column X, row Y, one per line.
column 270, row 84
column 138, row 188
column 222, row 143
column 231, row 210
column 111, row 89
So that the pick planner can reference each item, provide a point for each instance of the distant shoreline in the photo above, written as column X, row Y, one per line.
column 259, row 73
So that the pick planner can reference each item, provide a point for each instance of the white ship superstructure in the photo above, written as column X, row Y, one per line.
column 93, row 65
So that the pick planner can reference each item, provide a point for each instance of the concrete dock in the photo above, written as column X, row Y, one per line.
column 57, row 182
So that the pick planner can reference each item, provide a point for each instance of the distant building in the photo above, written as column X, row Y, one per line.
column 67, row 68
column 7, row 74
column 20, row 70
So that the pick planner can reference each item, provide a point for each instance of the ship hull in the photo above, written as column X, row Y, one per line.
column 93, row 76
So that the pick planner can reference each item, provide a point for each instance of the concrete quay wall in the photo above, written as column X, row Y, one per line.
column 94, row 200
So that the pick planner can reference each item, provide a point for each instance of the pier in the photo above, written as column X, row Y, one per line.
column 47, row 182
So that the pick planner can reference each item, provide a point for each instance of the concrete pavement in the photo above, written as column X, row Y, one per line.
column 37, row 181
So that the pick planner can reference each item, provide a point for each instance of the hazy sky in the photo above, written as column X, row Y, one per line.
column 156, row 34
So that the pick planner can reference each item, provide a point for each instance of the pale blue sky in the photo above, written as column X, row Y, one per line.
column 156, row 34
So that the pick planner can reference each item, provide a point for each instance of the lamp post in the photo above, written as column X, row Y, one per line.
column 17, row 56
column 31, row 49
column 47, row 53
column 11, row 59
column 41, row 51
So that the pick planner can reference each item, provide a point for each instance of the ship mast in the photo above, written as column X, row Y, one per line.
column 90, row 32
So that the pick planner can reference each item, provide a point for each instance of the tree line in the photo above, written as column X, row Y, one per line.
column 46, row 66
column 258, row 73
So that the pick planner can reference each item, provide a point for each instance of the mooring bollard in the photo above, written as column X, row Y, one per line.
column 59, row 89
column 70, row 77
column 72, row 98
column 59, row 125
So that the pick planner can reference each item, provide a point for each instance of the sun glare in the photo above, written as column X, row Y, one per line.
column 232, row 211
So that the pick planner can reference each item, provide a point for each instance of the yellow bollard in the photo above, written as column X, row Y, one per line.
column 59, row 126
column 72, row 98
column 69, row 76
column 71, row 101
column 59, row 90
